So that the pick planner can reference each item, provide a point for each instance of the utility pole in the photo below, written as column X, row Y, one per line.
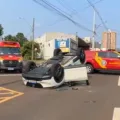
column 33, row 30
column 94, row 28
column 77, row 38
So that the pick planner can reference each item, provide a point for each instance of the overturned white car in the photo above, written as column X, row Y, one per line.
column 62, row 68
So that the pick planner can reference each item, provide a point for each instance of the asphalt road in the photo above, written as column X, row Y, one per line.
column 99, row 101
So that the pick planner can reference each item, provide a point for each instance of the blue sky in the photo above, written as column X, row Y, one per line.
column 46, row 21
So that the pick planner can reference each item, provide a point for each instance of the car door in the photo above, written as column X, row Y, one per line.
column 114, row 60
column 101, row 60
column 75, row 71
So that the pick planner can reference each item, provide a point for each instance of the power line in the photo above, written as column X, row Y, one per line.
column 61, row 13
column 44, row 5
column 94, row 3
column 67, row 6
column 64, row 5
column 75, row 12
column 108, row 30
column 98, row 15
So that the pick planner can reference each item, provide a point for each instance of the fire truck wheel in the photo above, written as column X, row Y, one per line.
column 20, row 71
column 27, row 66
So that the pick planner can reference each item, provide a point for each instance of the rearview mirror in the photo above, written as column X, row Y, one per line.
column 119, row 56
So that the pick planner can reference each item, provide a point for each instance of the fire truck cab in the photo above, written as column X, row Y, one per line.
column 10, row 56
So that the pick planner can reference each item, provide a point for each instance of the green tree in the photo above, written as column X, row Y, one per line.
column 10, row 38
column 21, row 38
column 1, row 30
column 27, row 51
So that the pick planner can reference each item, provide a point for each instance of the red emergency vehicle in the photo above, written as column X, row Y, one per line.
column 10, row 56
column 108, row 60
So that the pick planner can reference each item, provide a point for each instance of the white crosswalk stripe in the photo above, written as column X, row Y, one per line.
column 116, row 111
column 119, row 81
column 116, row 114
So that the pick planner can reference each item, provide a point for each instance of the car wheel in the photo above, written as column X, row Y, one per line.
column 87, row 82
column 81, row 55
column 57, row 72
column 19, row 71
column 57, row 52
column 28, row 66
column 90, row 68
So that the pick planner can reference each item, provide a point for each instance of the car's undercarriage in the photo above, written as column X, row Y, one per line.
column 57, row 70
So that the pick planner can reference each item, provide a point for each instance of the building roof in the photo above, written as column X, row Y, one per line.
column 58, row 35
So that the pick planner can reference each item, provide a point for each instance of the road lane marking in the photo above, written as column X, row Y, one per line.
column 13, row 94
column 119, row 81
column 8, row 93
column 10, row 75
column 116, row 114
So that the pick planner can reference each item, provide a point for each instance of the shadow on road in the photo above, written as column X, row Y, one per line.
column 8, row 83
column 9, row 72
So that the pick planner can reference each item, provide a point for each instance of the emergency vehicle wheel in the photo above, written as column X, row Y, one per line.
column 90, row 68
column 27, row 66
column 81, row 54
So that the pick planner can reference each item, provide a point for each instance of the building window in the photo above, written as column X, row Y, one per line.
column 49, row 44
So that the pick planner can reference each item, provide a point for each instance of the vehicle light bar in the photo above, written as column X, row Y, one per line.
column 9, row 43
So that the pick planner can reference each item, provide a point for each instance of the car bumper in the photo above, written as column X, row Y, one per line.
column 10, row 67
column 43, row 82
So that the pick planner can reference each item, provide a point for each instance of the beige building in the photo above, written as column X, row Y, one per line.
column 47, row 43
column 109, row 40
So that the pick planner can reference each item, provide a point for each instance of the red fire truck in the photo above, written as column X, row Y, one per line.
column 10, row 56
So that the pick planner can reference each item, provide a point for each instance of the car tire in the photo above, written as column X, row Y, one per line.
column 90, row 68
column 57, row 52
column 20, row 71
column 87, row 82
column 81, row 54
column 27, row 66
column 57, row 72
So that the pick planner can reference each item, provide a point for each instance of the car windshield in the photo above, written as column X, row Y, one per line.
column 9, row 50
